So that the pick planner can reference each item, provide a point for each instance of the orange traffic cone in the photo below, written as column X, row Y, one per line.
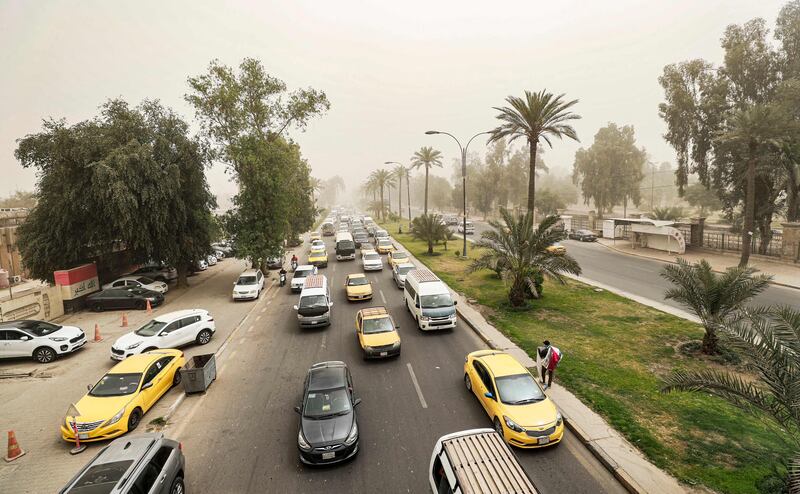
column 97, row 336
column 124, row 320
column 14, row 451
column 149, row 308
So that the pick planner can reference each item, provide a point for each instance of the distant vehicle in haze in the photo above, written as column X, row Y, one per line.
column 583, row 235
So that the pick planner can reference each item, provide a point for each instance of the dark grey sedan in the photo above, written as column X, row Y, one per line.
column 583, row 236
column 123, row 298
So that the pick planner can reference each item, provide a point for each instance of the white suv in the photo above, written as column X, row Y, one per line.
column 38, row 339
column 166, row 331
column 249, row 285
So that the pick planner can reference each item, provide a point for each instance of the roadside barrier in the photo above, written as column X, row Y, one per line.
column 14, row 451
column 149, row 308
column 78, row 446
column 97, row 336
column 124, row 319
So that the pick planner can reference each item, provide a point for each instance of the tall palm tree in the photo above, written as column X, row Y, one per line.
column 770, row 337
column 429, row 229
column 714, row 298
column 537, row 116
column 383, row 180
column 517, row 249
column 427, row 158
column 400, row 172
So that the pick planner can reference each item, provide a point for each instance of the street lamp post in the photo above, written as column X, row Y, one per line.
column 463, row 176
column 400, row 193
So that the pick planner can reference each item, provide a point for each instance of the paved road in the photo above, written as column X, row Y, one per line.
column 240, row 437
column 639, row 275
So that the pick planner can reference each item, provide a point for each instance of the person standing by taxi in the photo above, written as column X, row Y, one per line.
column 547, row 359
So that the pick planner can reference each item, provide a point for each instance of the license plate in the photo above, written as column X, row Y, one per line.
column 544, row 440
column 329, row 456
column 383, row 354
column 83, row 436
column 313, row 322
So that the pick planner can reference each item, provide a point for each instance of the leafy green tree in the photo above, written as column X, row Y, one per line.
column 610, row 171
column 536, row 117
column 703, row 199
column 429, row 229
column 19, row 199
column 770, row 337
column 130, row 178
column 518, row 249
column 426, row 158
column 549, row 202
column 713, row 298
column 244, row 116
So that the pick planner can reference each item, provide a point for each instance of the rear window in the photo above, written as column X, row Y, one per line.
column 372, row 257
column 101, row 479
column 144, row 280
column 246, row 280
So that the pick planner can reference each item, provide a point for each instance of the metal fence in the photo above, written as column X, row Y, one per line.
column 733, row 242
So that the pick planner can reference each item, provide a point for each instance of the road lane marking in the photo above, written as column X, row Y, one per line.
column 416, row 386
column 258, row 317
column 242, row 340
column 324, row 340
column 250, row 329
column 334, row 268
column 264, row 309
column 382, row 296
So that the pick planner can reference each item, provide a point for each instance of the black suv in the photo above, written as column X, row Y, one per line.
column 328, row 429
column 132, row 464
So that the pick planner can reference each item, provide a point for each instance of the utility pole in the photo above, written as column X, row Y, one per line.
column 652, row 183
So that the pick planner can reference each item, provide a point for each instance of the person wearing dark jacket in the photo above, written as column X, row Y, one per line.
column 547, row 359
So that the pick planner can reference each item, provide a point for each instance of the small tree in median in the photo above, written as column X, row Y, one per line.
column 429, row 229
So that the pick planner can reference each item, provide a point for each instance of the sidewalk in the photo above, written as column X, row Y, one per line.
column 783, row 274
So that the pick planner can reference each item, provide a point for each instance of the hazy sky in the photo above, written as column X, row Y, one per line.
column 391, row 69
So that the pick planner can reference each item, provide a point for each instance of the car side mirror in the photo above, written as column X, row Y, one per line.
column 489, row 395
column 147, row 385
column 25, row 338
column 330, row 304
column 88, row 387
column 396, row 326
column 234, row 283
column 455, row 302
column 295, row 307
column 356, row 402
column 416, row 305
column 297, row 409
column 163, row 333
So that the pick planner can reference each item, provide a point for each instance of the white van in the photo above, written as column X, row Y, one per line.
column 314, row 307
column 345, row 246
column 429, row 300
column 476, row 460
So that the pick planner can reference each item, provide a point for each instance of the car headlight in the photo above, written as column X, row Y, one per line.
column 559, row 419
column 115, row 418
column 396, row 344
column 299, row 316
column 302, row 443
column 133, row 345
column 367, row 348
column 424, row 318
column 353, row 436
column 58, row 338
column 512, row 425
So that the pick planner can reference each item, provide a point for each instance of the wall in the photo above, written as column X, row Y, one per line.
column 42, row 303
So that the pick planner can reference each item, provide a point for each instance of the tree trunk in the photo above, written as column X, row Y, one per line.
column 183, row 275
column 749, row 206
column 400, row 197
column 425, row 210
column 408, row 197
column 792, row 193
column 764, row 234
column 516, row 295
column 532, row 176
column 430, row 246
column 383, row 209
column 710, row 341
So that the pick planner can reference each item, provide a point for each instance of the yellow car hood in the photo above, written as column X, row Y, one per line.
column 380, row 339
column 533, row 414
column 93, row 408
column 359, row 290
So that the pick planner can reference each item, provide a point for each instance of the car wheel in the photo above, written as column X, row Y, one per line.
column 44, row 355
column 177, row 486
column 467, row 382
column 141, row 305
column 499, row 428
column 98, row 307
column 203, row 337
column 176, row 379
column 134, row 418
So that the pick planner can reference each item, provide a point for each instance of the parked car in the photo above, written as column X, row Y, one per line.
column 124, row 298
column 470, row 228
column 399, row 272
column 148, row 462
column 218, row 254
column 118, row 401
column 41, row 340
column 138, row 282
column 275, row 262
column 377, row 333
column 199, row 265
column 224, row 247
column 515, row 402
column 170, row 330
column 371, row 260
column 583, row 235
column 249, row 285
column 328, row 426
column 211, row 260
column 157, row 271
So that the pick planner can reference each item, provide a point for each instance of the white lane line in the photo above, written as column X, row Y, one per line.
column 334, row 268
column 416, row 386
column 242, row 340
column 383, row 297
column 264, row 309
column 324, row 340
column 258, row 317
column 250, row 329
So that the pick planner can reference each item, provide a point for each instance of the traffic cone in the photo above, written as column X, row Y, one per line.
column 14, row 451
column 97, row 337
column 124, row 320
column 149, row 308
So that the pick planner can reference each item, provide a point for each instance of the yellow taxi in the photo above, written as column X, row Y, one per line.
column 557, row 249
column 318, row 256
column 116, row 404
column 358, row 287
column 377, row 333
column 397, row 257
column 314, row 236
column 384, row 246
column 515, row 402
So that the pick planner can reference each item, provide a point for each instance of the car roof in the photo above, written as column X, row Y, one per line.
column 356, row 275
column 404, row 265
column 129, row 447
column 249, row 272
column 178, row 314
column 502, row 364
column 327, row 375
column 140, row 362
column 374, row 312
column 369, row 251
column 304, row 267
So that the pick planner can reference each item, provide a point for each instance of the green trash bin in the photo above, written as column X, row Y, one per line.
column 198, row 373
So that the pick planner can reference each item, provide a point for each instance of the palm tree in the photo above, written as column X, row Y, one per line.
column 429, row 229
column 518, row 250
column 668, row 213
column 770, row 337
column 427, row 158
column 316, row 186
column 400, row 172
column 714, row 298
column 383, row 179
column 537, row 116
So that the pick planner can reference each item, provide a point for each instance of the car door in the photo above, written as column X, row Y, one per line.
column 157, row 375
column 481, row 386
column 20, row 344
column 190, row 326
column 359, row 323
column 119, row 284
column 170, row 336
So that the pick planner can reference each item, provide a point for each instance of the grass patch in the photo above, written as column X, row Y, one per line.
column 616, row 352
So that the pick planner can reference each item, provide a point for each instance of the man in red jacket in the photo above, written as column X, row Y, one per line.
column 547, row 357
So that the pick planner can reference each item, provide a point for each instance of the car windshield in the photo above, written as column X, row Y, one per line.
column 436, row 301
column 358, row 281
column 321, row 404
column 518, row 389
column 399, row 255
column 301, row 273
column 246, row 280
column 379, row 325
column 37, row 328
column 101, row 478
column 151, row 329
column 404, row 269
column 372, row 257
column 117, row 385
column 313, row 301
column 144, row 280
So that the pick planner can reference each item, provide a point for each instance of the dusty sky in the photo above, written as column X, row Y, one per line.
column 391, row 69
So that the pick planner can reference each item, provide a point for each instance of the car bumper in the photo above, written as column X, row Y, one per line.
column 358, row 298
column 351, row 257
column 436, row 325
column 319, row 264
column 314, row 322
column 297, row 289
column 65, row 347
column 245, row 296
column 343, row 453
column 99, row 434
column 524, row 441
column 382, row 352
column 373, row 268
column 120, row 355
